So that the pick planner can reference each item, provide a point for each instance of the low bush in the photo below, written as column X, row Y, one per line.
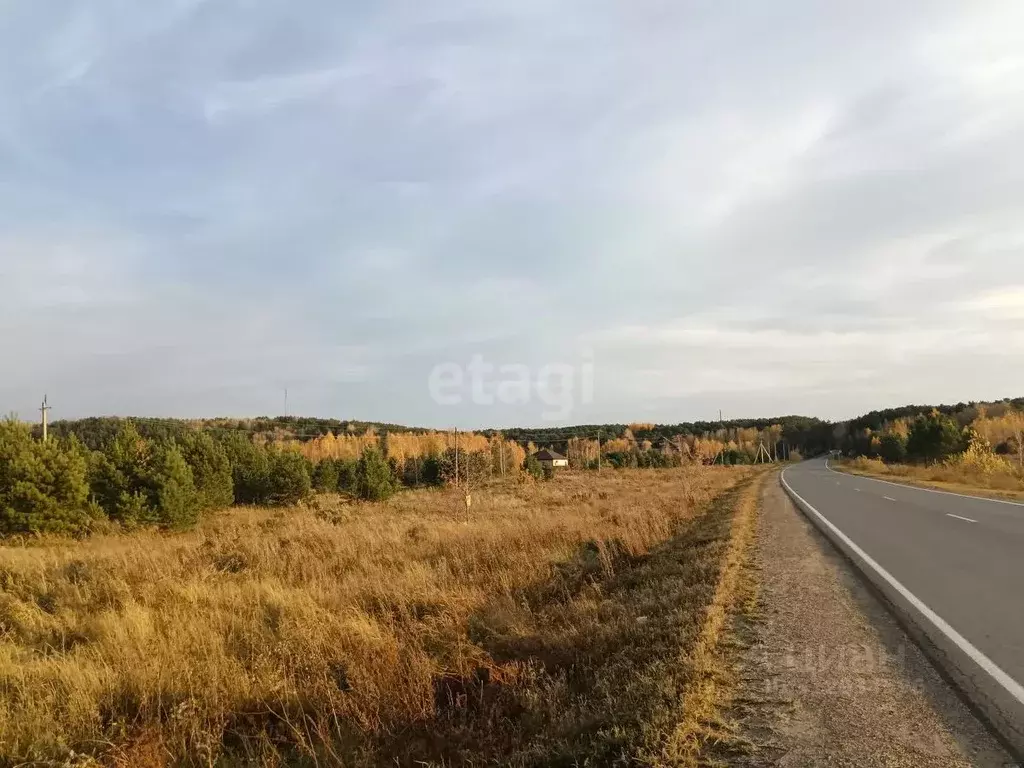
column 325, row 476
column 288, row 480
column 211, row 469
column 375, row 480
column 864, row 464
column 533, row 467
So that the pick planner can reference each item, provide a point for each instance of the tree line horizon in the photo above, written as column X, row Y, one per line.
column 101, row 472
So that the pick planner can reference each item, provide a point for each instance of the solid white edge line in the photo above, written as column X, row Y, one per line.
column 958, row 517
column 930, row 490
column 1008, row 683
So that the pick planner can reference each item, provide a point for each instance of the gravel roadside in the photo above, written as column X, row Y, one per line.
column 828, row 677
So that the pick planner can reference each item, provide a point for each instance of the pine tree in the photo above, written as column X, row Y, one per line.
column 934, row 436
column 173, row 496
column 374, row 479
column 250, row 468
column 211, row 470
column 289, row 480
column 325, row 476
column 43, row 486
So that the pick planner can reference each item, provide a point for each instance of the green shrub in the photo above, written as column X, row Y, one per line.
column 139, row 481
column 325, row 476
column 250, row 468
column 119, row 477
column 533, row 467
column 43, row 486
column 173, row 498
column 432, row 471
column 934, row 437
column 211, row 469
column 289, row 480
column 348, row 475
column 892, row 448
column 374, row 479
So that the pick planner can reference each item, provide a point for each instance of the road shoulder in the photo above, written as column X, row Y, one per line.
column 827, row 676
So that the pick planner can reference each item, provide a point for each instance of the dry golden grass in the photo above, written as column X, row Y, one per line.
column 1000, row 481
column 553, row 623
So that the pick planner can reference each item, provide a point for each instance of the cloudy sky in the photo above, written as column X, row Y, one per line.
column 789, row 207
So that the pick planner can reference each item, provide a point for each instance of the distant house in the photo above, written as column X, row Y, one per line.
column 549, row 458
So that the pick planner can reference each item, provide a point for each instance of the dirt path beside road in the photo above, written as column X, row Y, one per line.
column 829, row 678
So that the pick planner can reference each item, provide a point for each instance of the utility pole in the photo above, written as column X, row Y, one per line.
column 721, row 428
column 456, row 457
column 43, row 409
column 501, row 447
column 286, row 402
column 764, row 456
column 469, row 498
column 599, row 451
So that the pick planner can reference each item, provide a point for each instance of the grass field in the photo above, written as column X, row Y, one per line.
column 559, row 623
column 956, row 479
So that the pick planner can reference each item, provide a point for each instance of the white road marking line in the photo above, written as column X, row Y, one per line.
column 932, row 490
column 950, row 514
column 1011, row 686
column 857, row 490
column 889, row 498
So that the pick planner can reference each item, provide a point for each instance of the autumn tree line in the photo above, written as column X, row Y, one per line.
column 167, row 473
column 987, row 437
column 126, row 473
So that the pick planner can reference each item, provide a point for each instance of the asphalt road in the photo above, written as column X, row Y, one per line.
column 953, row 564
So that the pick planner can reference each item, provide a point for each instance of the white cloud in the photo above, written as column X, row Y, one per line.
column 999, row 304
column 72, row 269
column 806, row 207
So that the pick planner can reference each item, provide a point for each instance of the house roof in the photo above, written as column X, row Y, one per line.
column 546, row 454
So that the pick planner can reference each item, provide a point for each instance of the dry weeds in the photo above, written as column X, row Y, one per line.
column 554, row 623
column 1003, row 481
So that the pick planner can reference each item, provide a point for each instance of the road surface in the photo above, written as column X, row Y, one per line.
column 953, row 567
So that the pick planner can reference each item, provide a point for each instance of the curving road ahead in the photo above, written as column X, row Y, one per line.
column 952, row 566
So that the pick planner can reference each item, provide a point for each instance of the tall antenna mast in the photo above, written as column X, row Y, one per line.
column 43, row 409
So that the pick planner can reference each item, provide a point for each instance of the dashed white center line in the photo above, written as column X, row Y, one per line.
column 889, row 498
column 966, row 519
column 857, row 490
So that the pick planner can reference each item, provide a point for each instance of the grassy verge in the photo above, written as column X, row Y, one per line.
column 707, row 679
column 994, row 485
column 562, row 623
